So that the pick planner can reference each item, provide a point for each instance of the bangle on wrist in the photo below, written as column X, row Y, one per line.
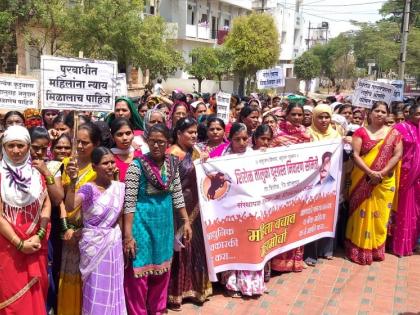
column 50, row 180
column 19, row 246
column 64, row 225
column 13, row 240
column 41, row 233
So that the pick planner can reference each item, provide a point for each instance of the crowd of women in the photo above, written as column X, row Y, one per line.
column 102, row 217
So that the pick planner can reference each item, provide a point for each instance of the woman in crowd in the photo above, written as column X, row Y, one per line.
column 62, row 124
column 241, row 282
column 152, row 117
column 48, row 116
column 142, row 109
column 377, row 150
column 307, row 115
column 216, row 141
column 406, row 225
column 124, row 153
column 271, row 120
column 189, row 276
column 24, row 228
column 153, row 192
column 178, row 111
column 70, row 291
column 13, row 118
column 61, row 148
column 250, row 116
column 101, row 255
column 346, row 110
column 291, row 131
column 125, row 108
column 357, row 119
column 199, row 108
column 262, row 137
column 321, row 129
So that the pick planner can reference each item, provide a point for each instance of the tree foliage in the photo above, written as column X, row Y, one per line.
column 203, row 65
column 307, row 67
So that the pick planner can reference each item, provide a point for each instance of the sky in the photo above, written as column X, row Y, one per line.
column 338, row 13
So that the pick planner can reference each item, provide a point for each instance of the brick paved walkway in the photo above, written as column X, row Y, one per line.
column 332, row 287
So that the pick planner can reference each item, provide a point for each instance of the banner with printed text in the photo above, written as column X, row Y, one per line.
column 260, row 204
column 78, row 84
column 18, row 93
column 368, row 92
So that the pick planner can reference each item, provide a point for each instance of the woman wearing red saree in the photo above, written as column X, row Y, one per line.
column 24, row 218
column 377, row 150
column 291, row 131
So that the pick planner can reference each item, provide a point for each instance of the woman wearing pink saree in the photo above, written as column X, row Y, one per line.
column 406, row 225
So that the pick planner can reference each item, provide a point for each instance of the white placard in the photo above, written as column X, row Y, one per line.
column 18, row 93
column 223, row 106
column 121, row 88
column 368, row 92
column 78, row 84
column 399, row 89
column 270, row 78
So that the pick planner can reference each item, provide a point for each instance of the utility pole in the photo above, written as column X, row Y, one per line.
column 309, row 35
column 404, row 39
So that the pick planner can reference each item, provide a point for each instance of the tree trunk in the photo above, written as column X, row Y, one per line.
column 220, row 82
column 20, row 48
column 199, row 85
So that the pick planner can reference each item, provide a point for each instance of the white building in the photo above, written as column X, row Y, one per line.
column 198, row 23
column 291, row 27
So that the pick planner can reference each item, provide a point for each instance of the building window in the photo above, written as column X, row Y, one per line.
column 226, row 23
column 191, row 15
column 204, row 18
column 283, row 37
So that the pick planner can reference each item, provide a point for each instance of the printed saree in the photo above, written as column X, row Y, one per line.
column 370, row 205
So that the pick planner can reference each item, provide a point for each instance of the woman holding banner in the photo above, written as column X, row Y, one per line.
column 78, row 172
column 321, row 129
column 377, row 150
column 216, row 141
column 189, row 276
column 406, row 226
column 291, row 131
column 241, row 282
column 153, row 192
column 24, row 227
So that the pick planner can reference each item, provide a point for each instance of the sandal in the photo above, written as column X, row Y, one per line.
column 234, row 294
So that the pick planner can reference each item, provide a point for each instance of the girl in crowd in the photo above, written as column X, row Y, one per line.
column 13, row 118
column 48, row 116
column 142, row 109
column 241, row 282
column 216, row 142
column 189, row 276
column 250, row 116
column 262, row 137
column 153, row 191
column 62, row 124
column 78, row 171
column 377, row 150
column 24, row 228
column 291, row 132
column 125, row 108
column 101, row 255
column 122, row 134
column 321, row 129
column 406, row 225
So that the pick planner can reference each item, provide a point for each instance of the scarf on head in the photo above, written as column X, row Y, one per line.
column 135, row 119
column 20, row 182
column 147, row 118
column 314, row 132
column 341, row 124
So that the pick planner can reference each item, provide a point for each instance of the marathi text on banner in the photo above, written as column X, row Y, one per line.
column 258, row 205
column 18, row 93
column 78, row 84
column 368, row 92
column 270, row 78
column 223, row 106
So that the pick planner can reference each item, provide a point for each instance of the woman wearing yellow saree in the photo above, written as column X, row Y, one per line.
column 77, row 173
column 377, row 150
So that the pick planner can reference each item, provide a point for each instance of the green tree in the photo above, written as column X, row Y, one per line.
column 224, row 63
column 307, row 67
column 254, row 43
column 203, row 65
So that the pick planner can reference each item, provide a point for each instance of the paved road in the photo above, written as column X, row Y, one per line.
column 332, row 287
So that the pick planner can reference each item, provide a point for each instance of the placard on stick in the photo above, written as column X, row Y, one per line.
column 368, row 92
column 78, row 84
column 270, row 78
column 223, row 106
column 18, row 93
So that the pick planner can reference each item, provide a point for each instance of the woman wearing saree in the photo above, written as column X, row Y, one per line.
column 291, row 131
column 377, row 150
column 125, row 108
column 24, row 226
column 70, row 285
column 101, row 255
column 189, row 276
column 321, row 129
column 406, row 225
column 153, row 116
column 216, row 142
column 153, row 192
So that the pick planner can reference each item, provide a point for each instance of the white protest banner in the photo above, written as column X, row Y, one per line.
column 368, row 92
column 257, row 205
column 121, row 88
column 78, row 84
column 270, row 78
column 18, row 93
column 223, row 106
column 399, row 89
